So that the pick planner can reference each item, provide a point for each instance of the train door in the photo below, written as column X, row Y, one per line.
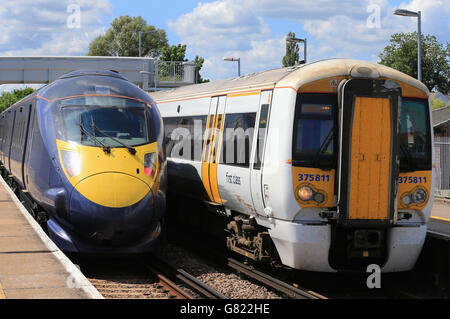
column 28, row 143
column 211, row 148
column 12, row 118
column 368, row 167
column 256, row 167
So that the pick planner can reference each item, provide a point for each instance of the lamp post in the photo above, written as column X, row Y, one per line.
column 238, row 60
column 140, row 39
column 296, row 40
column 406, row 13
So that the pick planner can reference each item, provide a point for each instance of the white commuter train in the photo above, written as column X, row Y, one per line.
column 325, row 166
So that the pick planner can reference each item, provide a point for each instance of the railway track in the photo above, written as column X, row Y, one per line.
column 266, row 279
column 145, row 280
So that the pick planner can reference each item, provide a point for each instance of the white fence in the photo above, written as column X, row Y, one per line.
column 442, row 155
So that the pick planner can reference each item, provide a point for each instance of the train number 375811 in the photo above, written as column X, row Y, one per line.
column 411, row 180
column 313, row 178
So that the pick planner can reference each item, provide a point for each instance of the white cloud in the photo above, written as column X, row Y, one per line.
column 334, row 29
column 40, row 27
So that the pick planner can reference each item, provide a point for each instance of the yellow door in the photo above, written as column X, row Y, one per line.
column 370, row 159
column 212, row 147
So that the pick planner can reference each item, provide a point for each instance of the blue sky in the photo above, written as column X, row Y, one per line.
column 253, row 30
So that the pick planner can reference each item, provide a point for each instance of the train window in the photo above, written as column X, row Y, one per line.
column 262, row 129
column 415, row 147
column 237, row 139
column 184, row 136
column 107, row 125
column 314, row 133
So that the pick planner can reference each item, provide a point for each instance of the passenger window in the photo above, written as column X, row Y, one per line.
column 262, row 131
column 237, row 139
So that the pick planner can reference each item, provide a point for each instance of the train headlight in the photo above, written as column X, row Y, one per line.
column 150, row 164
column 406, row 200
column 419, row 196
column 72, row 162
column 319, row 197
column 305, row 193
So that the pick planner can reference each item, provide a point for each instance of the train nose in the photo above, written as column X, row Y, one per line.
column 111, row 208
column 113, row 190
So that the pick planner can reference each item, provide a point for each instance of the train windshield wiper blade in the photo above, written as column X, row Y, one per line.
column 131, row 149
column 106, row 148
column 323, row 146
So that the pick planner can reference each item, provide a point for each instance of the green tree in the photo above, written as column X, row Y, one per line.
column 9, row 98
column 437, row 103
column 401, row 54
column 291, row 56
column 174, row 53
column 122, row 39
column 199, row 64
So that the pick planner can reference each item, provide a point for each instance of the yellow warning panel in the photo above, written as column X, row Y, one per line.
column 412, row 187
column 319, row 181
column 370, row 159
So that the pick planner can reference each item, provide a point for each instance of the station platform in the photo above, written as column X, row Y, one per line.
column 31, row 265
column 439, row 223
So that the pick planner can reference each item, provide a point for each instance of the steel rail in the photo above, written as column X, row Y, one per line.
column 268, row 280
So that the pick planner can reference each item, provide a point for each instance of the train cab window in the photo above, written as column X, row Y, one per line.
column 109, row 121
column 415, row 148
column 314, row 131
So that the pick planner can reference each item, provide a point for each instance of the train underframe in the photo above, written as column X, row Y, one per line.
column 323, row 247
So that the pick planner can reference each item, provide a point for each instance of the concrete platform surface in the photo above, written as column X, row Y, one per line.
column 31, row 265
column 439, row 222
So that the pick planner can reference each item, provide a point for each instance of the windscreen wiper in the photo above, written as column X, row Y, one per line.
column 323, row 146
column 131, row 149
column 106, row 148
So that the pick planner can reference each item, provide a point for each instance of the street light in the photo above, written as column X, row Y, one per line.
column 296, row 40
column 406, row 13
column 140, row 39
column 234, row 60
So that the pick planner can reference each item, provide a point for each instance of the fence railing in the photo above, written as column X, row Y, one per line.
column 442, row 155
column 175, row 71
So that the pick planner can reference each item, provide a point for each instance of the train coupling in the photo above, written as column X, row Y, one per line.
column 328, row 214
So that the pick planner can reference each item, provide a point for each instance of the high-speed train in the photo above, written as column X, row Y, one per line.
column 325, row 166
column 85, row 154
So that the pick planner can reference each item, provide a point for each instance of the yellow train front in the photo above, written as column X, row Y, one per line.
column 90, row 162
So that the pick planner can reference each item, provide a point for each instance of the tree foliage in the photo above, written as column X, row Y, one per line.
column 401, row 54
column 174, row 53
column 292, row 56
column 199, row 63
column 122, row 39
column 9, row 98
column 437, row 103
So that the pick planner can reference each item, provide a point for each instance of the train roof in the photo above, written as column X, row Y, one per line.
column 294, row 77
column 84, row 72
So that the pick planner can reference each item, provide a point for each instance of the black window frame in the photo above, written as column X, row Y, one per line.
column 418, row 164
column 324, row 161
